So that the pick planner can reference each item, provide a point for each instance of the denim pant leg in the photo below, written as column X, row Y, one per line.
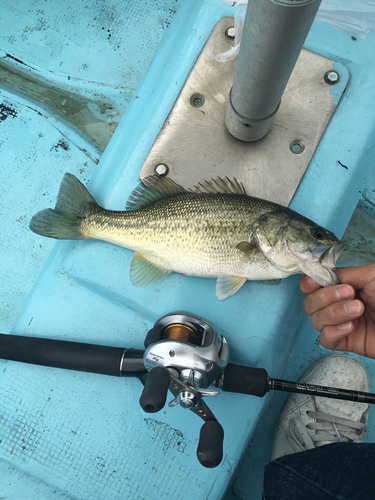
column 340, row 471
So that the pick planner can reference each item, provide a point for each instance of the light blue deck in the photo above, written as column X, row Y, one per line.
column 80, row 436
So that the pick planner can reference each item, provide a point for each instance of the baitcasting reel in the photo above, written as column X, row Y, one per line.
column 184, row 354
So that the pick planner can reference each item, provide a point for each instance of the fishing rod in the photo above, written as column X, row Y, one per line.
column 183, row 354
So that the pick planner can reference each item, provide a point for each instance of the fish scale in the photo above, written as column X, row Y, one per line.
column 214, row 231
column 192, row 225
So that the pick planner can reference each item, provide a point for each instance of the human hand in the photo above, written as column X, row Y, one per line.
column 344, row 314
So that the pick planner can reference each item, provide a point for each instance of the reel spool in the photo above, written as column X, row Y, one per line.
column 178, row 331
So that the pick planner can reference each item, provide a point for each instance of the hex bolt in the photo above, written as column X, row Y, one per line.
column 331, row 77
column 161, row 169
column 229, row 33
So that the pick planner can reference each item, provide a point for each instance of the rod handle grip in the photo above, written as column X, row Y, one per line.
column 245, row 380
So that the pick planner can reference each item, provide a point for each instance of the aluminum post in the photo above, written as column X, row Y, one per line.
column 273, row 36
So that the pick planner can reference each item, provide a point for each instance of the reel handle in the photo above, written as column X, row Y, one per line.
column 154, row 393
column 210, row 446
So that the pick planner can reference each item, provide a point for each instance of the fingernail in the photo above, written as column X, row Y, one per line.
column 345, row 326
column 344, row 292
column 310, row 281
column 352, row 307
column 309, row 284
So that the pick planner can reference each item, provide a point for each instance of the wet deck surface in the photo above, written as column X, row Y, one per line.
column 73, row 435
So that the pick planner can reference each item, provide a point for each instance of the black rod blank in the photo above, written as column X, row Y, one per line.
column 321, row 390
column 105, row 360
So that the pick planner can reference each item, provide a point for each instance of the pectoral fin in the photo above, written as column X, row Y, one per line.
column 143, row 272
column 228, row 285
column 246, row 247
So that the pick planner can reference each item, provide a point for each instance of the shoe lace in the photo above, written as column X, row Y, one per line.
column 326, row 429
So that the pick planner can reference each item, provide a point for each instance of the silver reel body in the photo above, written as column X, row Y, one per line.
column 192, row 350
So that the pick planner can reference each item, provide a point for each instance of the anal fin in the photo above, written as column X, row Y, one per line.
column 228, row 285
column 143, row 272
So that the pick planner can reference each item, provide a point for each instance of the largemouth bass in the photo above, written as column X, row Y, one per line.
column 214, row 230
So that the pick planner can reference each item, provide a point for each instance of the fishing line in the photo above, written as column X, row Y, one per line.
column 180, row 332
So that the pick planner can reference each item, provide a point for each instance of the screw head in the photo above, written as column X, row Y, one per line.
column 297, row 147
column 229, row 33
column 331, row 77
column 197, row 100
column 161, row 169
column 172, row 354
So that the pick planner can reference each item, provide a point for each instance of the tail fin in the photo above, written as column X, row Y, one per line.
column 63, row 222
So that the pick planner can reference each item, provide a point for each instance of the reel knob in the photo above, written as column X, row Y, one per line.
column 155, row 390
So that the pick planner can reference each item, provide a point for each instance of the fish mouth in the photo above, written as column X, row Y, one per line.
column 327, row 255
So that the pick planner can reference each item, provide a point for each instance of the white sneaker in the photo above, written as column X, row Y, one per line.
column 307, row 421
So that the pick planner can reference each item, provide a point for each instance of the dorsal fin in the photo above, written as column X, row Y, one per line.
column 141, row 197
column 163, row 185
column 219, row 185
column 152, row 189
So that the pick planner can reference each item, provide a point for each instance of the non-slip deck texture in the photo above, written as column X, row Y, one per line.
column 84, row 436
column 67, row 73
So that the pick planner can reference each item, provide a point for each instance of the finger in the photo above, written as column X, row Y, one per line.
column 335, row 337
column 323, row 297
column 308, row 285
column 357, row 276
column 337, row 314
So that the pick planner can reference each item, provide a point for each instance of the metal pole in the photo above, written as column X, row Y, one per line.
column 273, row 36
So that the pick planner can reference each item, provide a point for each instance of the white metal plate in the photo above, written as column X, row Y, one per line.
column 196, row 146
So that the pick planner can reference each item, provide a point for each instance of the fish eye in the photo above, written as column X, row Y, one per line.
column 318, row 232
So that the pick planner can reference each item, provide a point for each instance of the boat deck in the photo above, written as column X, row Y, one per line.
column 85, row 88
